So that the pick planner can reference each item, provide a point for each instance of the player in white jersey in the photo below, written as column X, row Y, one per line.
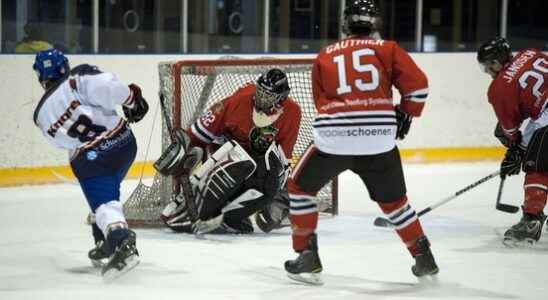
column 77, row 113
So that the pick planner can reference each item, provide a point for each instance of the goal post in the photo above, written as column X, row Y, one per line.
column 190, row 87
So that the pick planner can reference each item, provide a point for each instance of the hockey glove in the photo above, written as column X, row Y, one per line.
column 511, row 164
column 140, row 106
column 177, row 159
column 404, row 123
column 499, row 134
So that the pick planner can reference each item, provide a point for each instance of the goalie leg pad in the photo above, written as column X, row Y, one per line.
column 232, row 214
column 229, row 151
column 176, row 216
column 536, row 157
column 221, row 185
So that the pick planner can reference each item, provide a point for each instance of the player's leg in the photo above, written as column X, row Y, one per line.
column 311, row 173
column 528, row 230
column 383, row 176
column 100, row 171
column 98, row 254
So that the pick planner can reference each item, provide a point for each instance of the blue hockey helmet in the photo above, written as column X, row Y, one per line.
column 51, row 65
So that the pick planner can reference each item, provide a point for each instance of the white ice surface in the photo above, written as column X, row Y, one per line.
column 44, row 244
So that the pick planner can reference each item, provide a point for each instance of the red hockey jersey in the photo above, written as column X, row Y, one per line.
column 352, row 84
column 519, row 90
column 232, row 119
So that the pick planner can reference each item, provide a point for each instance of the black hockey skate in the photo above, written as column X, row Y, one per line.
column 424, row 260
column 526, row 232
column 99, row 254
column 307, row 266
column 125, row 256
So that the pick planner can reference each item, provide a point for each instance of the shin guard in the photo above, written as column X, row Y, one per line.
column 406, row 222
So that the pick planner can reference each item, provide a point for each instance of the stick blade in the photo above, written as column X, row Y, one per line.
column 382, row 222
column 511, row 209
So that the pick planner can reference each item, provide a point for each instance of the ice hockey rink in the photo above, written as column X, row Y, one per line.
column 44, row 244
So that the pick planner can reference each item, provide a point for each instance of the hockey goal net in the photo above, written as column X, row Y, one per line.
column 190, row 87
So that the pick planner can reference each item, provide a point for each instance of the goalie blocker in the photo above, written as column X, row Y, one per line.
column 227, row 188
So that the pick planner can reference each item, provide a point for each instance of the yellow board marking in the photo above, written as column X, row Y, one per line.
column 59, row 174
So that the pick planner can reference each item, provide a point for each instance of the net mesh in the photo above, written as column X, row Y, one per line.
column 190, row 88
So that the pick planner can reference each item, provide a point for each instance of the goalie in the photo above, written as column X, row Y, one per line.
column 250, row 134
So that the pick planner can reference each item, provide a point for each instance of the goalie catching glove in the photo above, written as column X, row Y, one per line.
column 178, row 159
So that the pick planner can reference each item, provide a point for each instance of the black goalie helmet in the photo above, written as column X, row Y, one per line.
column 496, row 51
column 360, row 17
column 271, row 89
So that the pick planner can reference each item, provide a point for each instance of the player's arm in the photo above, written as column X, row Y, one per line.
column 317, row 89
column 504, row 100
column 209, row 127
column 412, row 84
column 507, row 111
column 290, row 131
column 188, row 147
column 410, row 81
column 107, row 91
column 509, row 127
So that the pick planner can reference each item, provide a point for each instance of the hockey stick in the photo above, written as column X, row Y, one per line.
column 384, row 222
column 511, row 209
column 183, row 180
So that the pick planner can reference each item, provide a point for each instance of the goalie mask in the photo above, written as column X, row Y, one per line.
column 271, row 89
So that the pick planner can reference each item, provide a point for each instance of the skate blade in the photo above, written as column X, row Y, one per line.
column 428, row 280
column 131, row 262
column 308, row 278
column 431, row 273
column 512, row 243
column 98, row 263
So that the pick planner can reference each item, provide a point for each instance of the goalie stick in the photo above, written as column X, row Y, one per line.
column 511, row 209
column 183, row 180
column 384, row 222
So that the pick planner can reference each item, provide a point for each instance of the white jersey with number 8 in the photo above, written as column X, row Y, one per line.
column 80, row 111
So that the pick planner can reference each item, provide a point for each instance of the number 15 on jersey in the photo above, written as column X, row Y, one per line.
column 360, row 84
